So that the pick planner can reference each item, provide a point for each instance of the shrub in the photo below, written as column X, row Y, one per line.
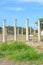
column 19, row 51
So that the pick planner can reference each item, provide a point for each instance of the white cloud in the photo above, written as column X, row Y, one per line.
column 18, row 9
column 14, row 8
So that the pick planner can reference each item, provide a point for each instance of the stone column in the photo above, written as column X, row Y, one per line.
column 15, row 35
column 27, row 34
column 18, row 31
column 34, row 31
column 4, row 33
column 39, row 35
column 22, row 31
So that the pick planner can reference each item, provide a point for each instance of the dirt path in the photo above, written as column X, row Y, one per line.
column 6, row 62
column 38, row 46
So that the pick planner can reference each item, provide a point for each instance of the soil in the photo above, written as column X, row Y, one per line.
column 4, row 61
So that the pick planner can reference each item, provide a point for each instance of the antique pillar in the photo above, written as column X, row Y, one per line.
column 22, row 31
column 39, row 35
column 15, row 35
column 4, row 33
column 18, row 31
column 27, row 34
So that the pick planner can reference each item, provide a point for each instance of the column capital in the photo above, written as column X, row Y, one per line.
column 27, row 18
column 39, row 20
column 4, row 20
column 15, row 20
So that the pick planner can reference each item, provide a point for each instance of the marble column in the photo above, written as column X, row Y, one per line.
column 27, row 34
column 4, row 33
column 15, row 35
column 22, row 31
column 18, row 31
column 34, row 31
column 39, row 35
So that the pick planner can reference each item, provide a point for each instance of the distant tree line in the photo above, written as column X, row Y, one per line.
column 10, row 30
column 0, row 30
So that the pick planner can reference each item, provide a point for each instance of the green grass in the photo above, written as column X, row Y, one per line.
column 18, row 51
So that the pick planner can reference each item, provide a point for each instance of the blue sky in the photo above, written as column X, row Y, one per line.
column 21, row 10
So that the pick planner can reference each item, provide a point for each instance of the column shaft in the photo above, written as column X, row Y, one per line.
column 18, row 31
column 39, row 31
column 34, row 31
column 22, row 31
column 15, row 35
column 27, row 34
column 4, row 33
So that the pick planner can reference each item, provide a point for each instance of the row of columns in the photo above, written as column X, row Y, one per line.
column 15, row 35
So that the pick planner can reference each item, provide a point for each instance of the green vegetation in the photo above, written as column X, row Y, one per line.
column 17, row 51
column 10, row 29
column 0, row 29
column 41, row 23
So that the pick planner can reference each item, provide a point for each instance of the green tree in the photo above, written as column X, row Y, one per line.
column 0, row 29
column 41, row 23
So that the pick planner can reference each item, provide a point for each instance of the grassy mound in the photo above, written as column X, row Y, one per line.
column 18, row 51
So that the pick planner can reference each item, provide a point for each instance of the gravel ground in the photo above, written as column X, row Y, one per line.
column 4, row 61
column 8, row 62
